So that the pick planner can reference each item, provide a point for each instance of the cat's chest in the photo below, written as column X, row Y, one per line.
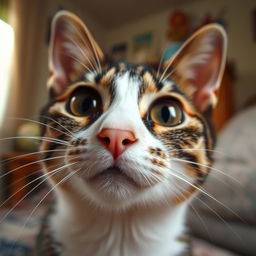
column 134, row 233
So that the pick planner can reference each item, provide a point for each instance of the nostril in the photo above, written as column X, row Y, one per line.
column 105, row 140
column 116, row 141
column 126, row 142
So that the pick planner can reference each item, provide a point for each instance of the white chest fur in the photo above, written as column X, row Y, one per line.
column 84, row 230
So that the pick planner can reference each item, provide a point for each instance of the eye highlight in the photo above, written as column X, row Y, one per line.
column 166, row 112
column 84, row 101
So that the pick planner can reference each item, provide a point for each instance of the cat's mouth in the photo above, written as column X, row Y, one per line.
column 113, row 174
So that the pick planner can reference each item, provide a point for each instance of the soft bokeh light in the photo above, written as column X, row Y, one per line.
column 6, row 50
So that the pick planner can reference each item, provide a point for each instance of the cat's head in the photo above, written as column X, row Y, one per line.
column 128, row 134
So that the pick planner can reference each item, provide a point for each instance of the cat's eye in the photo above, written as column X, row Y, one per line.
column 84, row 101
column 166, row 112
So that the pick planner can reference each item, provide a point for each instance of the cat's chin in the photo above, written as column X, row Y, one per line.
column 113, row 186
column 112, row 176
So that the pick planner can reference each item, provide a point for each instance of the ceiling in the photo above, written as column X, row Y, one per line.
column 111, row 13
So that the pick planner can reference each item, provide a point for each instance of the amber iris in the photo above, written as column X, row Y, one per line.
column 166, row 112
column 84, row 102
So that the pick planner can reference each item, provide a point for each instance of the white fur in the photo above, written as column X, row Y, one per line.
column 140, row 231
column 116, row 219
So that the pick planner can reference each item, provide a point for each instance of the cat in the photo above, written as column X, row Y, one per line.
column 129, row 146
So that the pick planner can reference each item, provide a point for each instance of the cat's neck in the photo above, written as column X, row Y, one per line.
column 139, row 231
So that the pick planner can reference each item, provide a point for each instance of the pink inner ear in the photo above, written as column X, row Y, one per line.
column 207, row 74
column 66, row 53
column 199, row 65
column 61, row 61
column 72, row 51
column 202, row 100
column 206, row 80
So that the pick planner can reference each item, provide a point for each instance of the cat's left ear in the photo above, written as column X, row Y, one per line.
column 199, row 65
column 72, row 51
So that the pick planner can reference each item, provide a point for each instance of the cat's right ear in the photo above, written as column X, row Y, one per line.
column 197, row 67
column 72, row 51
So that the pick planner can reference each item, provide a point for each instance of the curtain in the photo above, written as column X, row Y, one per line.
column 28, row 19
column 6, row 47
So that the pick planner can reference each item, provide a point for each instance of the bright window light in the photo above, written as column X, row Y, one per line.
column 6, row 50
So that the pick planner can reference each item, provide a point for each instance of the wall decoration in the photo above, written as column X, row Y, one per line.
column 177, row 32
column 178, row 26
column 118, row 52
column 209, row 18
column 142, row 46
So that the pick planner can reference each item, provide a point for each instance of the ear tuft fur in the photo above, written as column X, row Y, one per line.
column 72, row 51
column 199, row 65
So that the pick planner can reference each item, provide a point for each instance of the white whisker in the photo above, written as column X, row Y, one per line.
column 199, row 149
column 79, row 62
column 181, row 190
column 222, row 219
column 164, row 72
column 204, row 192
column 96, row 61
column 83, row 53
column 209, row 167
column 30, row 154
column 31, row 163
column 58, row 123
column 38, row 204
column 31, row 174
column 161, row 61
column 41, row 123
column 26, row 185
column 48, row 139
column 47, row 174
column 97, row 57
column 163, row 79
column 85, row 47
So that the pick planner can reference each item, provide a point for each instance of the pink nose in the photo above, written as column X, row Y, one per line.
column 116, row 140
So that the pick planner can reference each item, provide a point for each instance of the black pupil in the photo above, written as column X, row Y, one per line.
column 84, row 102
column 165, row 112
column 87, row 104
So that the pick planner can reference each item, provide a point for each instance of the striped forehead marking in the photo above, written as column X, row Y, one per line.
column 147, row 82
column 108, row 77
column 126, row 85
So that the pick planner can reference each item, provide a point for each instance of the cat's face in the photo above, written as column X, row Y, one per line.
column 132, row 135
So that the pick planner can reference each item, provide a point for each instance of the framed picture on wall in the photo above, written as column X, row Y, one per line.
column 142, row 47
column 118, row 52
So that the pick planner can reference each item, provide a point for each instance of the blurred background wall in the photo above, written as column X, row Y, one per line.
column 115, row 23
